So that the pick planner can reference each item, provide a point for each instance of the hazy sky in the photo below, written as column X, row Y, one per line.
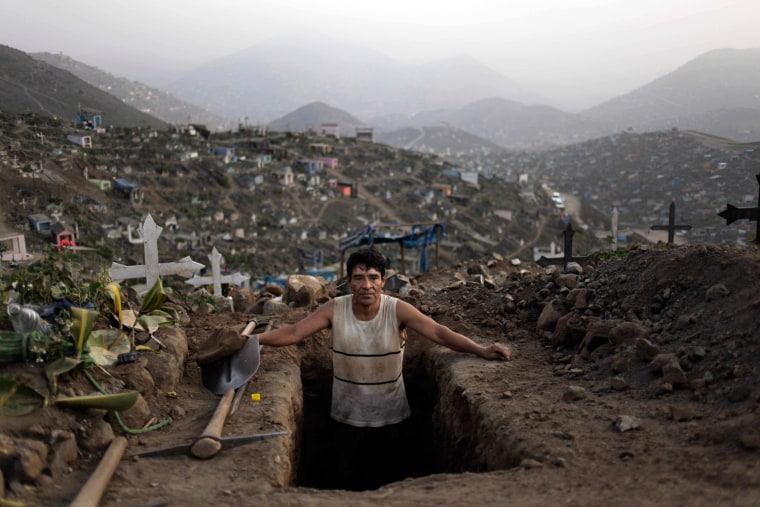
column 576, row 52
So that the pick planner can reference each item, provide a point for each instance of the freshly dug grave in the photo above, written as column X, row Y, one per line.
column 635, row 383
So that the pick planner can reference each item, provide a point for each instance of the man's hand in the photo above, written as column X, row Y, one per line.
column 497, row 351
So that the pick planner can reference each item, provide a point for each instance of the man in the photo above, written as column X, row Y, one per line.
column 369, row 399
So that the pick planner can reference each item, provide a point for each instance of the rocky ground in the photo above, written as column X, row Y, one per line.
column 634, row 382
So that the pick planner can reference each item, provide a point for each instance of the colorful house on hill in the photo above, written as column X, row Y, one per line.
column 89, row 119
column 17, row 251
column 82, row 141
column 331, row 162
column 330, row 129
column 62, row 236
column 40, row 222
column 365, row 135
column 284, row 176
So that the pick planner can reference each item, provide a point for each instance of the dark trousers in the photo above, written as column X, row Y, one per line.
column 367, row 458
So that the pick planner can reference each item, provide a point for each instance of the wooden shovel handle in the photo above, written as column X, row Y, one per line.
column 248, row 328
column 93, row 489
column 209, row 444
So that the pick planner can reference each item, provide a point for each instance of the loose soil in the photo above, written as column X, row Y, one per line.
column 547, row 427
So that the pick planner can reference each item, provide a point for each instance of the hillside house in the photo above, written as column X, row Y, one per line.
column 223, row 151
column 503, row 213
column 331, row 162
column 330, row 129
column 260, row 144
column 17, row 250
column 89, row 119
column 126, row 188
column 443, row 188
column 323, row 148
column 280, row 153
column 470, row 177
column 40, row 222
column 310, row 166
column 81, row 141
column 62, row 236
column 365, row 135
column 346, row 189
column 284, row 176
column 104, row 185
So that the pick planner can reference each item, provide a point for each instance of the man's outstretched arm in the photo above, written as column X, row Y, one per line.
column 319, row 319
column 409, row 316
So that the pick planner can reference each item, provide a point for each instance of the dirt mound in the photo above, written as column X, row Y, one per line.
column 634, row 382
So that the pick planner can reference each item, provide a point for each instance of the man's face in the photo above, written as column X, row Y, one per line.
column 366, row 285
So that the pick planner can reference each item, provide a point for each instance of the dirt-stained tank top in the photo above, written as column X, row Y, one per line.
column 368, row 386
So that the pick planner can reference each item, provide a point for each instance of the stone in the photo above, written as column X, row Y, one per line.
column 717, row 291
column 597, row 333
column 137, row 415
column 97, row 435
column 295, row 283
column 165, row 371
column 672, row 373
column 626, row 333
column 242, row 299
column 627, row 423
column 646, row 350
column 274, row 308
column 618, row 383
column 135, row 376
column 569, row 280
column 65, row 453
column 31, row 459
column 550, row 314
column 574, row 393
column 174, row 342
column 570, row 330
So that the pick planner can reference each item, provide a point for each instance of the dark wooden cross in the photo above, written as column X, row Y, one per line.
column 732, row 213
column 671, row 227
column 568, row 233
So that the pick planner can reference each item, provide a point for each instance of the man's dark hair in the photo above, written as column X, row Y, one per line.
column 367, row 257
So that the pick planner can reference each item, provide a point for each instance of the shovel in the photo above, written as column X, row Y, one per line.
column 233, row 371
column 223, row 377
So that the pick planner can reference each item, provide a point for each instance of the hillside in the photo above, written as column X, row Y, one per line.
column 142, row 97
column 244, row 203
column 714, row 93
column 640, row 175
column 32, row 86
column 440, row 140
column 311, row 116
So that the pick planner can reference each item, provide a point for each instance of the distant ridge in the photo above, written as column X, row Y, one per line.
column 142, row 97
column 717, row 93
column 270, row 79
column 311, row 116
column 32, row 86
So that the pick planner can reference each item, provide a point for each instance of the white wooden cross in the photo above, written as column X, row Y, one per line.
column 152, row 270
column 216, row 276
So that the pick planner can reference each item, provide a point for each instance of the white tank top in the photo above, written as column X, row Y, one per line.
column 368, row 386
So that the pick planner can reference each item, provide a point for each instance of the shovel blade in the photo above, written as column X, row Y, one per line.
column 233, row 371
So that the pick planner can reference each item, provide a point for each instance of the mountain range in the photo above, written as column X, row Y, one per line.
column 297, row 84
column 32, row 86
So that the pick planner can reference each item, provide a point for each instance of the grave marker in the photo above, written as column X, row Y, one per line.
column 216, row 278
column 732, row 213
column 152, row 269
column 671, row 227
column 568, row 233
